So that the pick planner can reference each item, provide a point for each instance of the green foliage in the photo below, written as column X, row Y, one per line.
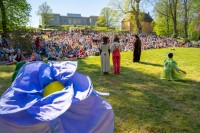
column 193, row 34
column 112, row 16
column 101, row 21
column 45, row 12
column 17, row 13
column 160, row 27
column 40, row 26
column 100, row 29
column 163, row 12
column 22, row 39
column 66, row 27
column 61, row 27
column 124, row 31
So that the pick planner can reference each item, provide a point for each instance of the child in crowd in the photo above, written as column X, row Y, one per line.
column 171, row 70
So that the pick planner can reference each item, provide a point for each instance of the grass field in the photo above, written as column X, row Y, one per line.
column 142, row 102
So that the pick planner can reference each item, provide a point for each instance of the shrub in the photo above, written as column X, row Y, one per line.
column 22, row 39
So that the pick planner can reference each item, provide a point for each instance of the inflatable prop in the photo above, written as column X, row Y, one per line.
column 52, row 87
column 30, row 106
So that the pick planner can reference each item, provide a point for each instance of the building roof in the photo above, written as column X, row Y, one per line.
column 93, row 16
column 73, row 15
column 147, row 17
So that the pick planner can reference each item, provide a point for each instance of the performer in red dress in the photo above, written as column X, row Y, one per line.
column 116, row 48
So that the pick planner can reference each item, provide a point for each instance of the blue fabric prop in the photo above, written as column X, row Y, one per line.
column 75, row 109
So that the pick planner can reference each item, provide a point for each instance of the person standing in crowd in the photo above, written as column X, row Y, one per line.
column 171, row 70
column 137, row 49
column 116, row 48
column 37, row 44
column 104, row 54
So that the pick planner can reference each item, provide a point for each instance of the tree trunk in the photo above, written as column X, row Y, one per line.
column 174, row 15
column 167, row 18
column 167, row 21
column 185, row 19
column 4, row 19
column 174, row 28
column 139, row 26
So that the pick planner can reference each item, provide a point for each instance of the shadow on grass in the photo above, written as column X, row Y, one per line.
column 147, row 63
column 145, row 103
column 5, row 82
column 142, row 102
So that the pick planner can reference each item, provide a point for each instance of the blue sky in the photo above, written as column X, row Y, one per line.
column 84, row 7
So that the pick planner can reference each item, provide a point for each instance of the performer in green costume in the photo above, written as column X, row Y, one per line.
column 171, row 70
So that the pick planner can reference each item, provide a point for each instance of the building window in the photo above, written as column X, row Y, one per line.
column 74, row 21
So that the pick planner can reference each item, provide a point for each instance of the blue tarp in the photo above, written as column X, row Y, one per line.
column 75, row 109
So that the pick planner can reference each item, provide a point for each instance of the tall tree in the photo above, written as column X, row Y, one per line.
column 3, row 17
column 173, row 11
column 184, row 22
column 111, row 16
column 197, row 25
column 185, row 4
column 194, row 23
column 101, row 21
column 163, row 17
column 45, row 12
column 168, row 9
column 14, row 14
column 127, row 6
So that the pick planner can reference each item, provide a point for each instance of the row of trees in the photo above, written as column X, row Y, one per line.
column 172, row 17
column 176, row 18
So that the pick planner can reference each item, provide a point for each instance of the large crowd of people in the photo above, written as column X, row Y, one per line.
column 58, row 45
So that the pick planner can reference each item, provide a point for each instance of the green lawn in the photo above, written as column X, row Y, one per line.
column 143, row 103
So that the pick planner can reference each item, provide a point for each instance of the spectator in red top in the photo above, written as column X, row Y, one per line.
column 37, row 44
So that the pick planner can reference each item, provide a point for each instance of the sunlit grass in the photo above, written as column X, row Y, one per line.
column 142, row 102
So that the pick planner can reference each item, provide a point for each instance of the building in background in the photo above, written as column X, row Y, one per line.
column 128, row 23
column 72, row 19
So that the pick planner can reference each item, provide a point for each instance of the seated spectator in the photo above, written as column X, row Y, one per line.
column 35, row 57
column 17, row 58
column 82, row 53
column 11, row 57
column 6, row 52
column 2, row 53
column 51, row 55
